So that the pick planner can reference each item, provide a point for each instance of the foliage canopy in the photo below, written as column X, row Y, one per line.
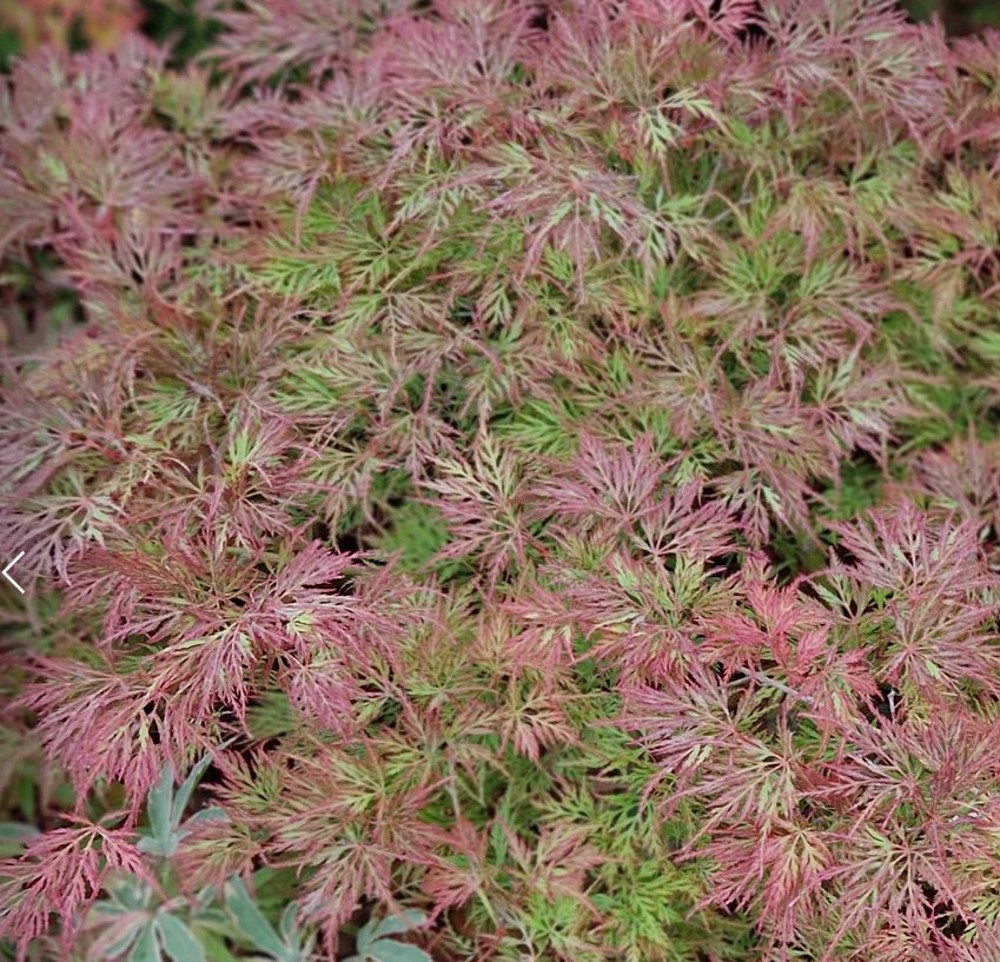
column 504, row 480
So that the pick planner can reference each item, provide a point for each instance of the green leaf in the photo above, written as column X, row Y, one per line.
column 250, row 921
column 212, row 814
column 215, row 947
column 288, row 928
column 129, row 892
column 146, row 949
column 178, row 941
column 115, row 948
column 403, row 922
column 14, row 836
column 388, row 950
column 364, row 938
column 987, row 345
column 166, row 810
column 158, row 808
column 183, row 795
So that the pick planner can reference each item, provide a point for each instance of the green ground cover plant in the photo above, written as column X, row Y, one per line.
column 503, row 480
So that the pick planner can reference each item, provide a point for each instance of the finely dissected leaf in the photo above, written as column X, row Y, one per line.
column 529, row 471
column 61, row 871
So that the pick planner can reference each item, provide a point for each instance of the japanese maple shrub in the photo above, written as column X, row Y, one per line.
column 504, row 480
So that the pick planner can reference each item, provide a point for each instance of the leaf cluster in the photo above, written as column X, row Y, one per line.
column 528, row 470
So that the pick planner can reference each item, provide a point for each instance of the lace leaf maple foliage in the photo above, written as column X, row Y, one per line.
column 534, row 459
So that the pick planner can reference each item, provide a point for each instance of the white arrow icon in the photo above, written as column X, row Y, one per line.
column 6, row 572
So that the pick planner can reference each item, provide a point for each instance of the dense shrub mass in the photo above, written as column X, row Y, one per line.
column 504, row 480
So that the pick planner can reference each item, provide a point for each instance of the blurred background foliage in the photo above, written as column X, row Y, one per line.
column 26, row 24
column 77, row 24
column 959, row 16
